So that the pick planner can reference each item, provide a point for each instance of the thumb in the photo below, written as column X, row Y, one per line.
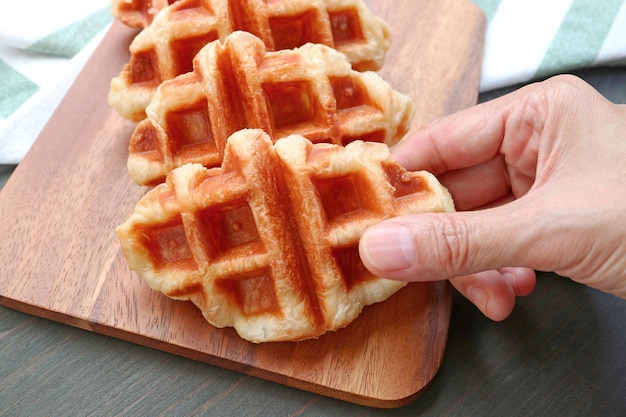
column 437, row 246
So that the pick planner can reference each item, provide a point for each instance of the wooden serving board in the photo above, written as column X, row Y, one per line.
column 61, row 259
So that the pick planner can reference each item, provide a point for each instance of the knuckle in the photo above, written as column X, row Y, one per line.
column 452, row 250
column 566, row 82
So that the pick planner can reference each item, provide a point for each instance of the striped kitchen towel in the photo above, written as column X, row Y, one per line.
column 44, row 44
column 532, row 39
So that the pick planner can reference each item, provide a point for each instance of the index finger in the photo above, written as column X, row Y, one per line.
column 461, row 140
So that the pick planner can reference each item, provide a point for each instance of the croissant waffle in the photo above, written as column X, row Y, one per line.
column 137, row 13
column 167, row 46
column 311, row 91
column 268, row 242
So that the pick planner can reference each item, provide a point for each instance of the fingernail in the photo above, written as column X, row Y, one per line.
column 389, row 248
column 478, row 296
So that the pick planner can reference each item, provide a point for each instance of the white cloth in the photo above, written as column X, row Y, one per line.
column 42, row 53
column 532, row 39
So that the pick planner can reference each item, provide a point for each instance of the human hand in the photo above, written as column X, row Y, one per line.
column 539, row 183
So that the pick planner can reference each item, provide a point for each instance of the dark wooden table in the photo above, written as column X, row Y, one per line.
column 561, row 353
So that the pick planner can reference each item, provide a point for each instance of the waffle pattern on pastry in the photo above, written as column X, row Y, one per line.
column 237, row 84
column 166, row 47
column 268, row 243
column 137, row 13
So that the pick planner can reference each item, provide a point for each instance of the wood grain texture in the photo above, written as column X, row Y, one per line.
column 61, row 259
column 435, row 55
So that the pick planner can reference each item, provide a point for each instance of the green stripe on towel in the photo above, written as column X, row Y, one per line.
column 580, row 36
column 71, row 39
column 15, row 89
